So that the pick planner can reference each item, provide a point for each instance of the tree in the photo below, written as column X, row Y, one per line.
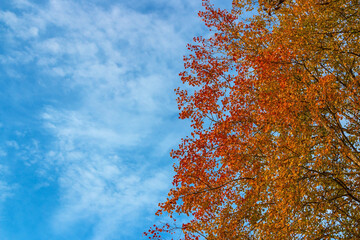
column 275, row 111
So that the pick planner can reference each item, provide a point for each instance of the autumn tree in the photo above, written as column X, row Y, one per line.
column 275, row 110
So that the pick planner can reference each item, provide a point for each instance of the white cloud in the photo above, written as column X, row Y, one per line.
column 6, row 189
column 121, row 67
column 109, row 191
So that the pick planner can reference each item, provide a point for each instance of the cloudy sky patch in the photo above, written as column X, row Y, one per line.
column 88, row 114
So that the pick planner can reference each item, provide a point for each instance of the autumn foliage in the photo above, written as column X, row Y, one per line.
column 275, row 110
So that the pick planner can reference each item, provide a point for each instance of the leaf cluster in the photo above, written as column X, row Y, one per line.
column 274, row 151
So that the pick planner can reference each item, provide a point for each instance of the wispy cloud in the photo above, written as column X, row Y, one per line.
column 6, row 189
column 112, row 119
column 109, row 193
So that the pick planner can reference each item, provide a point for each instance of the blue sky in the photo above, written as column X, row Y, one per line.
column 88, row 114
